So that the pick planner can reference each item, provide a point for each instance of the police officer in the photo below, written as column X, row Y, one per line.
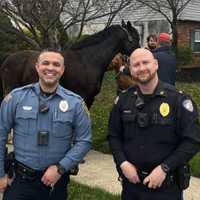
column 153, row 131
column 45, row 119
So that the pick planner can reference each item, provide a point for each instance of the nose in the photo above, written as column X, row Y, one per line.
column 50, row 66
column 141, row 66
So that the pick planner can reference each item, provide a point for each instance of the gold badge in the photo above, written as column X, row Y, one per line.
column 85, row 108
column 164, row 109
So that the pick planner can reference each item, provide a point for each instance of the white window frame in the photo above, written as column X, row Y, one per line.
column 197, row 35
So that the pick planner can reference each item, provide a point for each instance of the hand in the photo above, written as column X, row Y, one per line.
column 130, row 172
column 155, row 178
column 51, row 176
column 3, row 183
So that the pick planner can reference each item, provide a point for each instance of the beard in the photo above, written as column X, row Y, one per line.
column 152, row 46
column 49, row 83
column 143, row 80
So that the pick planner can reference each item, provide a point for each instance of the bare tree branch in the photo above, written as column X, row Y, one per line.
column 43, row 23
column 170, row 9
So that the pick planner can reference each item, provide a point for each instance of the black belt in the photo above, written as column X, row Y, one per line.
column 27, row 172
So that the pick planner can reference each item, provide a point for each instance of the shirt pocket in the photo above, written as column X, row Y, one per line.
column 62, row 124
column 129, row 125
column 25, row 122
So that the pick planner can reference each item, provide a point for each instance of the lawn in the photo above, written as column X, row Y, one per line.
column 81, row 192
column 103, row 104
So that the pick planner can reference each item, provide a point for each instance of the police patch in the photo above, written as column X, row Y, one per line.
column 164, row 109
column 8, row 97
column 85, row 108
column 187, row 104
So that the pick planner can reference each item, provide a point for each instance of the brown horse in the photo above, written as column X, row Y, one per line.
column 86, row 62
column 120, row 64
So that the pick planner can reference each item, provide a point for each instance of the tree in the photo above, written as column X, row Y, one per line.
column 8, row 43
column 170, row 9
column 48, row 20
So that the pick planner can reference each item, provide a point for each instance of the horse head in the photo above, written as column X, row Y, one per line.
column 131, row 40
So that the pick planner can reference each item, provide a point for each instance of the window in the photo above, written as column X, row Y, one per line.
column 195, row 40
column 197, row 36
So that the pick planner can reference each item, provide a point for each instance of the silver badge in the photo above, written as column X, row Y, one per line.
column 187, row 104
column 63, row 106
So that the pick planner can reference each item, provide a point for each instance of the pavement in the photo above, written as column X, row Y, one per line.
column 99, row 171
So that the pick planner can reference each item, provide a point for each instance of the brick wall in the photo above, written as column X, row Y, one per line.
column 184, row 29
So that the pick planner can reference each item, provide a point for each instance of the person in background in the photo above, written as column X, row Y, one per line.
column 153, row 132
column 46, row 119
column 166, row 59
column 152, row 42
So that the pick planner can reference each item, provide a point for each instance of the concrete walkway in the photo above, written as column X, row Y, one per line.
column 99, row 171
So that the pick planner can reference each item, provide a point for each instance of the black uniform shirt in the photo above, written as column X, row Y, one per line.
column 148, row 130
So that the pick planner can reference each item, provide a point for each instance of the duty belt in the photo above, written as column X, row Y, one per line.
column 27, row 172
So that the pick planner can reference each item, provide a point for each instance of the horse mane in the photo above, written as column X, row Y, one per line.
column 95, row 38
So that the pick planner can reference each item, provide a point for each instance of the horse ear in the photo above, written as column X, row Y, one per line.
column 123, row 23
column 129, row 25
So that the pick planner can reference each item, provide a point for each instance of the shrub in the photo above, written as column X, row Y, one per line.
column 184, row 55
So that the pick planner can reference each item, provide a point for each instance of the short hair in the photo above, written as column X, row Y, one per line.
column 152, row 36
column 53, row 50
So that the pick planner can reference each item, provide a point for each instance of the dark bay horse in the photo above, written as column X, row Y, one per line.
column 86, row 62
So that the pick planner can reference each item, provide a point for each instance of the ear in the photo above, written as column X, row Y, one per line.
column 123, row 23
column 36, row 66
column 129, row 25
column 156, row 63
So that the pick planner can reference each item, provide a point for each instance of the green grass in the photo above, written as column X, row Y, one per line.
column 81, row 192
column 103, row 104
column 100, row 112
column 193, row 89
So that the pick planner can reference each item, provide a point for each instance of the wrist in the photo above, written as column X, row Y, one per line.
column 60, row 169
column 123, row 164
column 165, row 168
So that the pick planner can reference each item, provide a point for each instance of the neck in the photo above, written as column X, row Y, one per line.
column 149, row 87
column 48, row 88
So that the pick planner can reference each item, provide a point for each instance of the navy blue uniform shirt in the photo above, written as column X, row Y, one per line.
column 150, row 130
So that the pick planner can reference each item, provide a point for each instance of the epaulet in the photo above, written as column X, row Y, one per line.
column 124, row 93
column 23, row 88
column 9, row 95
column 129, row 89
column 169, row 86
column 70, row 93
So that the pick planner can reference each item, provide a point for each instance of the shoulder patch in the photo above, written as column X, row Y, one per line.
column 8, row 97
column 188, row 105
column 85, row 108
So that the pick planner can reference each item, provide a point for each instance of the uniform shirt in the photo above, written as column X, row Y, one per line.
column 65, row 120
column 148, row 130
